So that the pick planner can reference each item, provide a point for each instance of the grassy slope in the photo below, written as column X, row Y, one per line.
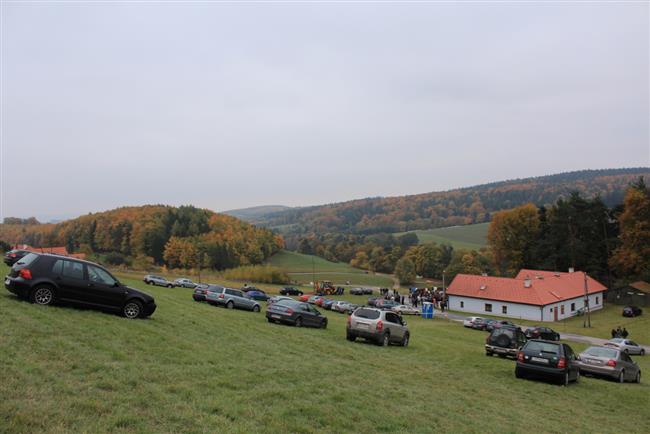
column 460, row 237
column 300, row 268
column 197, row 368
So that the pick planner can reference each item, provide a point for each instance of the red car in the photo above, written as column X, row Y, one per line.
column 319, row 301
column 304, row 297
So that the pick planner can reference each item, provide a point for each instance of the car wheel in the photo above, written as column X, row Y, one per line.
column 621, row 376
column 43, row 295
column 299, row 322
column 577, row 376
column 256, row 308
column 385, row 341
column 489, row 354
column 349, row 336
column 300, row 293
column 169, row 286
column 269, row 320
column 519, row 374
column 642, row 353
column 565, row 381
column 230, row 305
column 132, row 309
column 637, row 379
column 405, row 340
column 323, row 324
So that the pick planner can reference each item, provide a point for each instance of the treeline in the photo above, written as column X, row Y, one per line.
column 608, row 243
column 183, row 237
column 440, row 209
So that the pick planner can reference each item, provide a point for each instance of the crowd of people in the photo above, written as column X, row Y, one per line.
column 417, row 296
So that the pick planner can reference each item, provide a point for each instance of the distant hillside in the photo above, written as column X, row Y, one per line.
column 462, row 206
column 255, row 213
column 471, row 237
column 175, row 236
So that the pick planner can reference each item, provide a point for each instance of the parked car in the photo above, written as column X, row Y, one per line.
column 629, row 311
column 403, row 309
column 277, row 298
column 313, row 298
column 202, row 290
column 373, row 300
column 361, row 291
column 504, row 341
column 46, row 279
column 296, row 313
column 380, row 326
column 340, row 306
column 289, row 290
column 319, row 301
column 469, row 321
column 609, row 362
column 351, row 307
column 232, row 298
column 151, row 279
column 257, row 295
column 495, row 324
column 247, row 288
column 480, row 323
column 15, row 255
column 546, row 333
column 184, row 283
column 304, row 297
column 327, row 303
column 626, row 345
column 539, row 358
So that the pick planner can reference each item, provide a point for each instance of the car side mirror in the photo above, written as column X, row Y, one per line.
column 117, row 284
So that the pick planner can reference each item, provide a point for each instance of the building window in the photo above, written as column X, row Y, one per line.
column 462, row 304
column 504, row 310
column 562, row 309
column 488, row 307
column 596, row 300
column 573, row 307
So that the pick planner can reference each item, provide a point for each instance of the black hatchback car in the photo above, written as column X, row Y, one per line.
column 45, row 279
column 296, row 313
column 13, row 256
column 545, row 333
column 632, row 311
column 548, row 359
column 290, row 290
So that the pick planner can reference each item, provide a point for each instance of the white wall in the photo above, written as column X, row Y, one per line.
column 477, row 306
column 524, row 311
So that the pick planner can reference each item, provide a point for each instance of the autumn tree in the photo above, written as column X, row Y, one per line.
column 405, row 271
column 632, row 257
column 511, row 236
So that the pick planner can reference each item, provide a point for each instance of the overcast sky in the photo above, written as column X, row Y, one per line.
column 233, row 105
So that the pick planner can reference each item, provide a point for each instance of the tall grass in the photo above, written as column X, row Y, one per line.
column 257, row 273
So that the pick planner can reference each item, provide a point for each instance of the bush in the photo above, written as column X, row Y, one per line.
column 114, row 258
column 257, row 273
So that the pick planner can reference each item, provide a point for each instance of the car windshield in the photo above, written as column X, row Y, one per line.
column 543, row 347
column 27, row 259
column 504, row 331
column 367, row 313
column 602, row 352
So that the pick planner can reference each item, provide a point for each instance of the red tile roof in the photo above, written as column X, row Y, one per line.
column 55, row 250
column 546, row 287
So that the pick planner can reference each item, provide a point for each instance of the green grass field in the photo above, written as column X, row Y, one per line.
column 471, row 237
column 304, row 268
column 196, row 368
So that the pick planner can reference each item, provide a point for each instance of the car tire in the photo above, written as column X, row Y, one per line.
column 642, row 353
column 299, row 322
column 565, row 379
column 637, row 379
column 406, row 339
column 270, row 320
column 519, row 374
column 489, row 354
column 385, row 340
column 42, row 295
column 132, row 309
column 230, row 305
column 621, row 376
column 351, row 337
column 577, row 376
column 170, row 286
column 323, row 324
column 256, row 308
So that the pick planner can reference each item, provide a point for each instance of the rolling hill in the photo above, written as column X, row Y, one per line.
column 254, row 213
column 471, row 237
column 461, row 206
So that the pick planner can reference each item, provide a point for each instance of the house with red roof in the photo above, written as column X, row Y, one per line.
column 532, row 295
column 53, row 250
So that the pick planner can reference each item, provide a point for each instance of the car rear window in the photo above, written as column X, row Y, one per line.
column 27, row 259
column 504, row 331
column 367, row 313
column 602, row 352
column 543, row 347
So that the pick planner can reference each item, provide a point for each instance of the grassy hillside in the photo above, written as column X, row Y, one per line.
column 254, row 213
column 460, row 237
column 196, row 368
column 304, row 268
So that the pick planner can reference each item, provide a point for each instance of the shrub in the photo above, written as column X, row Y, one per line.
column 257, row 273
column 114, row 258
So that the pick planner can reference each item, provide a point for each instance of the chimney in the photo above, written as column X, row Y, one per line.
column 571, row 270
column 527, row 282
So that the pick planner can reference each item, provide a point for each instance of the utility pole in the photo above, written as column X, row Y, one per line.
column 444, row 290
column 587, row 322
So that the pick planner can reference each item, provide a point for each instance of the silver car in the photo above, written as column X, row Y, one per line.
column 626, row 345
column 609, row 362
column 232, row 298
column 152, row 279
column 380, row 326
column 403, row 309
column 184, row 283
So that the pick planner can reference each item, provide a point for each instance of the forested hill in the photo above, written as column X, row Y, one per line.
column 455, row 207
column 158, row 233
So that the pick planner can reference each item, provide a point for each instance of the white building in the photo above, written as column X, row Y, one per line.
column 532, row 295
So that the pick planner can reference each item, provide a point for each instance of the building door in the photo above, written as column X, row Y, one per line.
column 555, row 313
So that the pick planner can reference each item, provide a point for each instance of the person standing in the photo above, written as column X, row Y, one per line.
column 624, row 333
column 613, row 333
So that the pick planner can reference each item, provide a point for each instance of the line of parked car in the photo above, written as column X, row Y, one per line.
column 539, row 354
